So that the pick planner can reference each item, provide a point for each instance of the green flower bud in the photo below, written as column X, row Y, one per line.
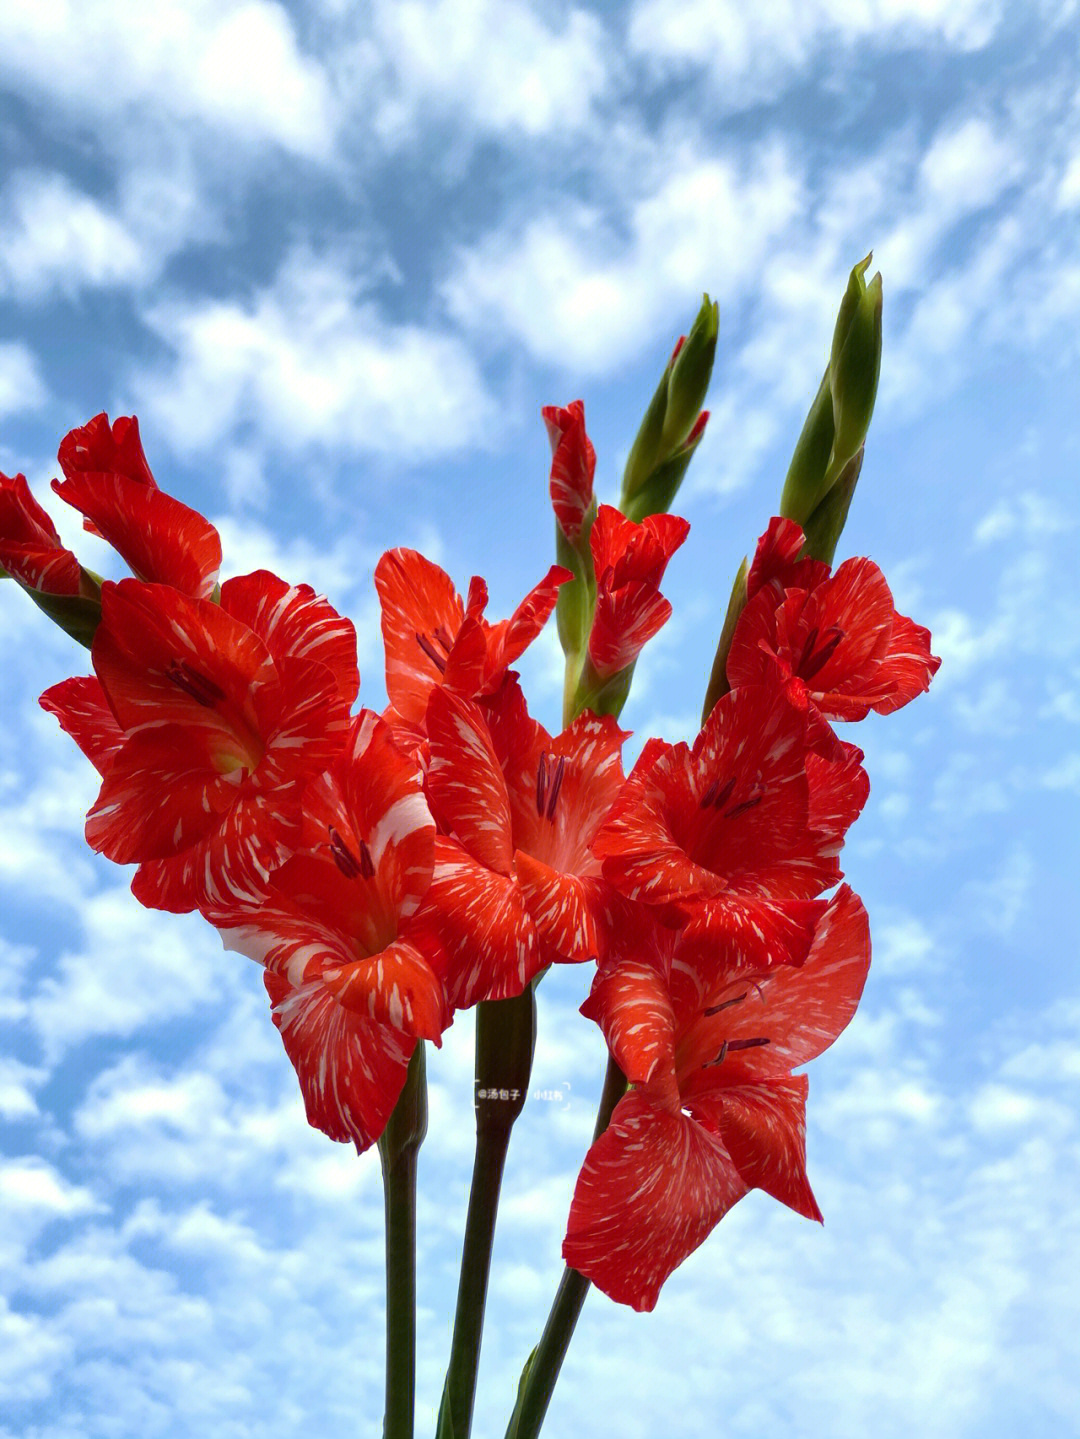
column 855, row 364
column 673, row 421
column 836, row 426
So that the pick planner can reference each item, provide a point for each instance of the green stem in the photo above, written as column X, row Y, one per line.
column 398, row 1149
column 505, row 1039
column 544, row 1363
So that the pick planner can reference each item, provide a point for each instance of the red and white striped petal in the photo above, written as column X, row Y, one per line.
column 776, row 561
column 160, row 795
column 351, row 1069
column 301, row 722
column 907, row 667
column 652, row 1188
column 421, row 616
column 397, row 987
column 100, row 446
column 162, row 540
column 294, row 622
column 799, row 1009
column 509, row 639
column 631, row 1002
column 164, row 657
column 30, row 548
column 763, row 1128
column 573, row 465
column 388, row 811
column 464, row 780
column 562, row 907
column 480, row 916
column 83, row 711
column 839, row 789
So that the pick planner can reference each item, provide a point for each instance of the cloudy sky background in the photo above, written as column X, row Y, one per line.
column 336, row 257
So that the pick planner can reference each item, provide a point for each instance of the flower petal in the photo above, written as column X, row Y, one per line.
column 294, row 622
column 421, row 616
column 652, row 1188
column 464, row 781
column 351, row 1069
column 83, row 711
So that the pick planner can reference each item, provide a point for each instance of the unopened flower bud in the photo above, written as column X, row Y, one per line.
column 673, row 423
column 836, row 426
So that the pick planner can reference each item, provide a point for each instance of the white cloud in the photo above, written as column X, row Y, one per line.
column 35, row 1188
column 750, row 50
column 21, row 384
column 501, row 66
column 57, row 236
column 137, row 967
column 308, row 362
column 580, row 297
column 235, row 67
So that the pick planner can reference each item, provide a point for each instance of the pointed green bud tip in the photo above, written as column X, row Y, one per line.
column 855, row 363
column 688, row 381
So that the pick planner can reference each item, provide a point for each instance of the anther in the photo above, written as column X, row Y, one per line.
column 755, row 798
column 717, row 793
column 727, row 1003
column 808, row 667
column 345, row 860
column 432, row 653
column 556, row 785
column 541, row 783
column 193, row 682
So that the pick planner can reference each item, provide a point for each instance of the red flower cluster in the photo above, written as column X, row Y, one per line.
column 386, row 871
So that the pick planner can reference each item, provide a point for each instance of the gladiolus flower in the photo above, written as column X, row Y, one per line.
column 515, row 879
column 630, row 560
column 573, row 465
column 433, row 639
column 708, row 1045
column 834, row 639
column 206, row 731
column 30, row 547
column 354, row 973
column 738, row 832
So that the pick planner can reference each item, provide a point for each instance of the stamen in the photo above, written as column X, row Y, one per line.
column 717, row 793
column 727, row 1003
column 441, row 637
column 432, row 653
column 755, row 798
column 193, row 682
column 367, row 869
column 729, row 1046
column 541, row 783
column 556, row 785
column 344, row 858
column 807, row 649
column 824, row 655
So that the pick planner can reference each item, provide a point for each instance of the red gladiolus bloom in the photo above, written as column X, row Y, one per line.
column 354, row 972
column 573, row 465
column 738, row 832
column 30, row 548
column 222, row 728
column 99, row 448
column 713, row 1110
column 108, row 479
column 630, row 560
column 433, row 639
column 515, row 880
column 835, row 639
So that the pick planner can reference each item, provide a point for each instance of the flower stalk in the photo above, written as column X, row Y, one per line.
column 505, row 1040
column 543, row 1365
column 398, row 1150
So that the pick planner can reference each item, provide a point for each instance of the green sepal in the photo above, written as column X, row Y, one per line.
column 407, row 1126
column 77, row 615
column 823, row 528
column 718, row 681
column 810, row 459
column 688, row 379
column 657, row 494
column 855, row 365
column 505, row 1042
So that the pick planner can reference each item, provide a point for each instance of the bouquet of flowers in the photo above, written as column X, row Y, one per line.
column 387, row 870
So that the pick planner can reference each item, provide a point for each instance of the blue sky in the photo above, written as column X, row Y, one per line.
column 336, row 257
